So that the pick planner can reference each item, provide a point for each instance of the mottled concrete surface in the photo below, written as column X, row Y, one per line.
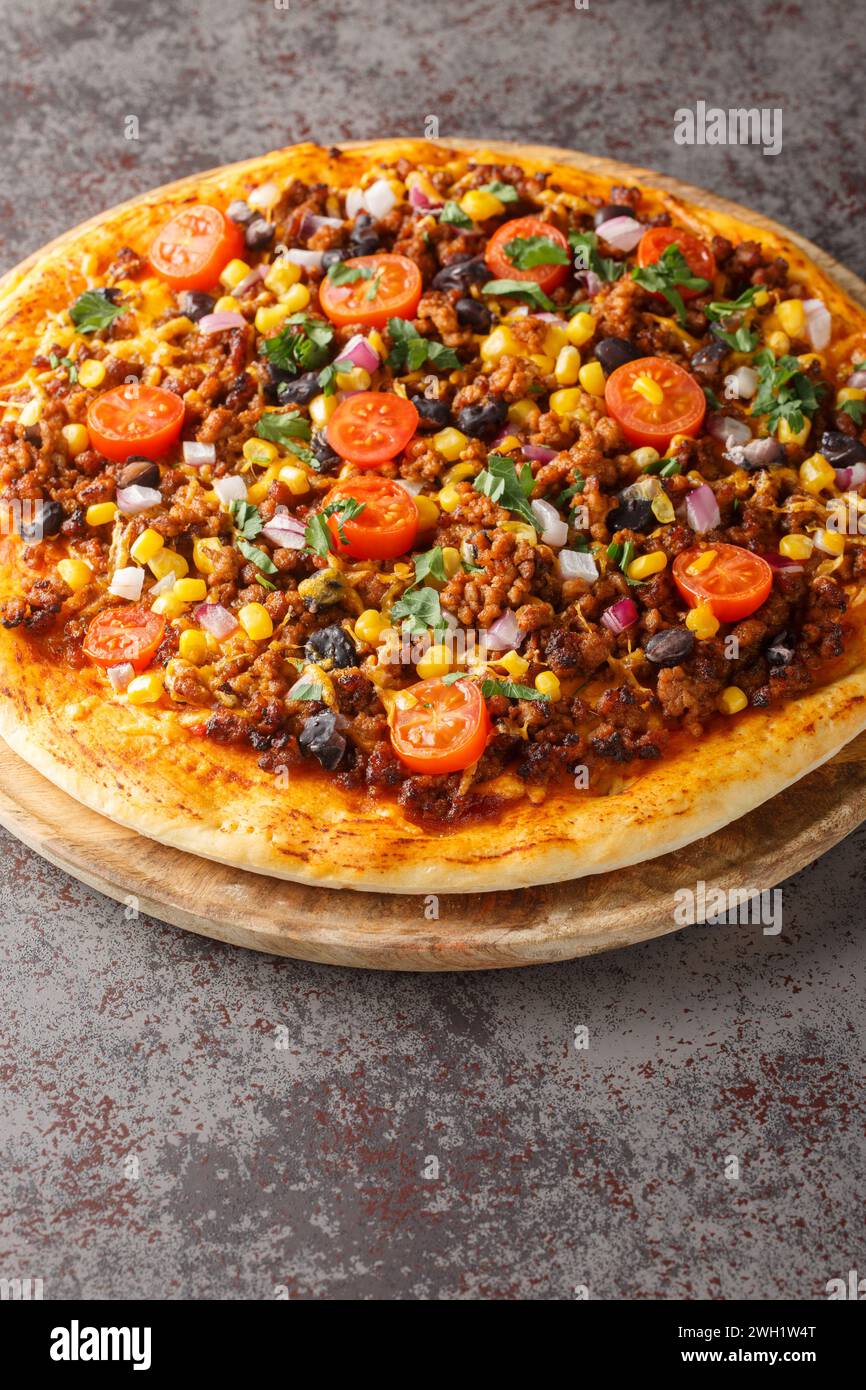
column 183, row 1120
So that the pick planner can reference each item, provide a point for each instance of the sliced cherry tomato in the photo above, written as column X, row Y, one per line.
column 444, row 730
column 548, row 277
column 144, row 420
column 698, row 256
column 680, row 410
column 124, row 634
column 371, row 427
column 193, row 246
column 389, row 287
column 386, row 527
column 734, row 583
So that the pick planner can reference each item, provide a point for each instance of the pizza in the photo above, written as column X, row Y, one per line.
column 415, row 518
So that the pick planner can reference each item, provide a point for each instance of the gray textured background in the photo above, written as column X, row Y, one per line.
column 308, row 1166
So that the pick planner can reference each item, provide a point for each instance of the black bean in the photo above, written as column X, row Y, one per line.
column 363, row 223
column 300, row 391
column 320, row 737
column 331, row 644
column 46, row 519
column 195, row 304
column 780, row 651
column 138, row 472
column 615, row 352
column 670, row 647
column 240, row 212
column 33, row 435
column 365, row 245
column 473, row 314
column 259, row 234
column 482, row 421
column 710, row 355
column 432, row 414
column 841, row 450
column 333, row 257
column 460, row 274
column 609, row 210
column 326, row 458
column 632, row 514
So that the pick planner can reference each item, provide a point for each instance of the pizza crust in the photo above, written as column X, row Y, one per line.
column 142, row 768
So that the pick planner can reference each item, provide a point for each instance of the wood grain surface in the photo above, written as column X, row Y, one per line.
column 459, row 932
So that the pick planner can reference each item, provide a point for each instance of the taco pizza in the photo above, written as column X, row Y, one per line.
column 415, row 518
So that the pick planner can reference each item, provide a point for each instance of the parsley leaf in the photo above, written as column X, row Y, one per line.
column 246, row 517
column 317, row 532
column 505, row 192
column 585, row 246
column 301, row 345
column 784, row 391
column 279, row 428
column 665, row 274
column 739, row 336
column 411, row 350
column 502, row 483
column 856, row 409
column 327, row 378
column 341, row 274
column 452, row 212
column 419, row 608
column 721, row 308
column 511, row 690
column 430, row 563
column 516, row 287
column 256, row 556
column 526, row 251
column 93, row 310
column 307, row 691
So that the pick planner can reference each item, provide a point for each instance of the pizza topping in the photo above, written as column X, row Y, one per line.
column 194, row 246
column 653, row 399
column 144, row 419
column 119, row 635
column 733, row 582
column 439, row 727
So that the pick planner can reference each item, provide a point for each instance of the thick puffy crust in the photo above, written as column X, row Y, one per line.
column 144, row 769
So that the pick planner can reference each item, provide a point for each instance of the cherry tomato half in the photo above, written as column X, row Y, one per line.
column 698, row 256
column 124, row 634
column 389, row 287
column 371, row 427
column 548, row 277
column 193, row 246
column 386, row 527
column 680, row 411
column 444, row 730
column 734, row 583
column 144, row 420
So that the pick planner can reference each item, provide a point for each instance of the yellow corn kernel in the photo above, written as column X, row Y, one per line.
column 786, row 435
column 63, row 336
column 146, row 689
column 282, row 275
column 591, row 378
column 479, row 205
column 269, row 318
column 295, row 479
column 555, row 339
column 234, row 272
column 580, row 329
column 451, row 561
column 795, row 547
column 450, row 443
column 567, row 365
column 676, row 443
column 255, row 620
column 168, row 605
column 295, row 299
column 459, row 472
column 420, row 181
column 204, row 551
column 30, row 413
column 848, row 393
column 702, row 621
column 646, row 565
column 428, row 513
column 369, row 626
column 227, row 304
column 816, row 474
column 566, row 401
column 780, row 344
column 436, row 661
column 761, row 299
column 645, row 456
column 509, row 442
column 648, row 388
column 702, row 562
column 732, row 700
column 75, row 573
column 190, row 590
column 193, row 645
column 321, row 410
column 77, row 439
column 258, row 491
column 831, row 542
column 544, row 363
column 355, row 380
column 166, row 561
column 514, row 664
column 522, row 530
column 99, row 513
column 374, row 338
column 498, row 343
column 449, row 498
column 792, row 317
column 91, row 373
column 546, row 683
column 260, row 451
column 524, row 413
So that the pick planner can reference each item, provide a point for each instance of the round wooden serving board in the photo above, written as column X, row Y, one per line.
column 465, row 931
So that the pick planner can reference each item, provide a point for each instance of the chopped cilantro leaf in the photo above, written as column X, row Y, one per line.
column 411, row 350
column 586, row 257
column 301, row 345
column 505, row 192
column 532, row 291
column 502, row 483
column 511, row 690
column 430, row 563
column 308, row 691
column 526, row 251
column 784, row 392
column 94, row 310
column 317, row 532
column 452, row 212
column 665, row 275
column 256, row 557
column 856, row 410
column 278, row 428
column 419, row 608
column 246, row 517
column 341, row 274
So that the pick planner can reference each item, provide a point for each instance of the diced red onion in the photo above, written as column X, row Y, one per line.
column 197, row 454
column 622, row 232
column 419, row 200
column 312, row 221
column 819, row 323
column 220, row 321
column 249, row 280
column 858, row 475
column 727, row 429
column 379, row 199
column 361, row 353
column 266, row 196
column 127, row 582
column 590, row 280
column 744, row 381
column 577, row 564
column 231, row 489
column 354, row 202
column 554, row 531
column 702, row 509
column 412, row 485
column 843, row 478
column 620, row 615
column 135, row 499
column 121, row 675
column 781, row 562
column 540, row 452
column 284, row 530
column 857, row 380
column 546, row 316
column 308, row 260
column 215, row 619
column 504, row 633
